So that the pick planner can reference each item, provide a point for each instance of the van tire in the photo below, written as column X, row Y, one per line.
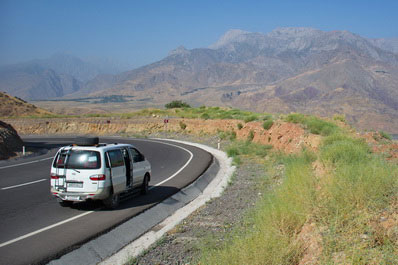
column 65, row 203
column 145, row 185
column 86, row 141
column 112, row 202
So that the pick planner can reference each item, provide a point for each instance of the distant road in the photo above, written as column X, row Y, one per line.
column 35, row 229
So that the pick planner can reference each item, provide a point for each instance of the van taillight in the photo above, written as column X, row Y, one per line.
column 98, row 177
column 54, row 176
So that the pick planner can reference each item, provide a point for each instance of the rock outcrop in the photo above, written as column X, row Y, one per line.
column 10, row 142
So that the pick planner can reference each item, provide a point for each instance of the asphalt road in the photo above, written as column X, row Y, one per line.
column 35, row 229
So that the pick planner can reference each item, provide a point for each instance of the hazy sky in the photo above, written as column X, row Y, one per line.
column 141, row 32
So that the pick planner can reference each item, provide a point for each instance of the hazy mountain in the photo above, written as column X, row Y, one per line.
column 33, row 81
column 57, row 76
column 83, row 70
column 386, row 44
column 288, row 69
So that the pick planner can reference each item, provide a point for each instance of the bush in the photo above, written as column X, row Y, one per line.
column 205, row 116
column 231, row 135
column 341, row 117
column 340, row 149
column 240, row 126
column 296, row 118
column 268, row 124
column 385, row 135
column 250, row 137
column 183, row 126
column 250, row 118
column 318, row 126
column 313, row 124
column 177, row 104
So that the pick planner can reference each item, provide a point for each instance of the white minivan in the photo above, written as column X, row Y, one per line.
column 88, row 170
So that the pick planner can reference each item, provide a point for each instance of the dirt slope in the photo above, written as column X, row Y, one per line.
column 11, row 106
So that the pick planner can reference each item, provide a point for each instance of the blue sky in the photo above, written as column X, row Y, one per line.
column 141, row 32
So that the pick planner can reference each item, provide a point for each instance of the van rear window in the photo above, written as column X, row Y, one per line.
column 78, row 159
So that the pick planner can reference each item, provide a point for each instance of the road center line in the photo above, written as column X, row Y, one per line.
column 23, row 184
column 26, row 163
column 87, row 213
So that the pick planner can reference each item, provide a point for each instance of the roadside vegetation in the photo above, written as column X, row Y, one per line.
column 345, row 193
column 177, row 110
column 335, row 205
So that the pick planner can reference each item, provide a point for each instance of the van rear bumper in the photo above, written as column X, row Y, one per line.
column 100, row 194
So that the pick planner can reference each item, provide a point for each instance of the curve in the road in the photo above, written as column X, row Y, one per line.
column 31, row 217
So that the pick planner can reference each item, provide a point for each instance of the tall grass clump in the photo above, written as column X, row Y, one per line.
column 360, row 186
column 238, row 148
column 313, row 124
column 385, row 135
column 268, row 124
column 269, row 236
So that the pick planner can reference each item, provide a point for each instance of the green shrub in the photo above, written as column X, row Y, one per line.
column 205, row 116
column 268, row 124
column 313, row 124
column 250, row 118
column 232, row 151
column 341, row 149
column 250, row 137
column 385, row 135
column 231, row 135
column 318, row 126
column 338, row 117
column 248, row 148
column 296, row 118
column 176, row 104
column 183, row 126
column 267, row 117
column 240, row 126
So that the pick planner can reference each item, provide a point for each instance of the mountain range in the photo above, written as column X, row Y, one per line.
column 54, row 77
column 287, row 70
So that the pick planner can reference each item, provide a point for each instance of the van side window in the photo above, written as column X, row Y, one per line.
column 116, row 158
column 137, row 156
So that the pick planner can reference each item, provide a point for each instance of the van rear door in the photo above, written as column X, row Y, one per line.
column 75, row 167
column 118, row 170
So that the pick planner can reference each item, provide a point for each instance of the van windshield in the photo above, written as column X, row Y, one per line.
column 78, row 159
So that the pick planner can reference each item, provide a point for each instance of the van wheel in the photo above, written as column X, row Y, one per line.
column 112, row 201
column 65, row 203
column 145, row 185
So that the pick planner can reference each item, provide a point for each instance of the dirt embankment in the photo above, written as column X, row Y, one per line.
column 13, row 106
column 287, row 137
column 10, row 142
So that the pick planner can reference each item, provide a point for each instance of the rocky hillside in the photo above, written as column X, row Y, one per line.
column 16, row 107
column 10, row 142
column 287, row 70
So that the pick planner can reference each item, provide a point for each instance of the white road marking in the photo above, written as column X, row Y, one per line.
column 181, row 169
column 26, row 163
column 24, row 184
column 86, row 213
column 43, row 229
